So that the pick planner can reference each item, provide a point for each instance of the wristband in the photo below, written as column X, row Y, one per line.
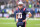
column 16, row 19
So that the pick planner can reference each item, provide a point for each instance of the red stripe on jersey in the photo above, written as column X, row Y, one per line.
column 24, row 9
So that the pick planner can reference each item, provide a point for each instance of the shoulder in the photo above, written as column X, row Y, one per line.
column 24, row 9
column 16, row 9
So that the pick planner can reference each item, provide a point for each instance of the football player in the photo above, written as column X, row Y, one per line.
column 21, row 14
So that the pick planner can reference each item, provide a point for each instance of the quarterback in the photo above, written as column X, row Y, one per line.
column 21, row 15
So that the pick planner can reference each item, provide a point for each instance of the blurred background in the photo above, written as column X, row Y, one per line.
column 7, row 7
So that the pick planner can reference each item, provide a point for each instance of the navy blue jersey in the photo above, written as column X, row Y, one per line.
column 22, row 13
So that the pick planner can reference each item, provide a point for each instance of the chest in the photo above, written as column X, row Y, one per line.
column 21, row 11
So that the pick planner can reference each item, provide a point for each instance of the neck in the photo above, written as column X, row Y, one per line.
column 19, row 9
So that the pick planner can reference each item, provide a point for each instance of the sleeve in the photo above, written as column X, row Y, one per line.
column 27, row 11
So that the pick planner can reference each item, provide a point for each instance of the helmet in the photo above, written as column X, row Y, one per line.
column 20, row 2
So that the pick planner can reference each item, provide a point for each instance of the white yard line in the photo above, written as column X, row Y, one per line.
column 15, row 23
column 14, row 19
column 34, row 24
column 7, row 23
column 7, row 18
column 34, row 19
column 37, row 24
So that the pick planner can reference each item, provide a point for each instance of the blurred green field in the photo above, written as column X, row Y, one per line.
column 10, row 22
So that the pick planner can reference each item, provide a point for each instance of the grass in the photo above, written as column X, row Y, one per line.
column 11, row 23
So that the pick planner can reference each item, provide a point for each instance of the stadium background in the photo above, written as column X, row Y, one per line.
column 7, row 8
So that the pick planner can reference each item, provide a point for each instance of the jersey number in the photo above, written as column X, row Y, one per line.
column 19, row 15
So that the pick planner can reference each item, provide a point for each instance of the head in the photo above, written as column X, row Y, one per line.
column 20, row 5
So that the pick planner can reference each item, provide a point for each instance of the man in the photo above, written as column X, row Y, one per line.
column 21, row 14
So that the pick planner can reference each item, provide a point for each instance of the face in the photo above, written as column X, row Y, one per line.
column 20, row 6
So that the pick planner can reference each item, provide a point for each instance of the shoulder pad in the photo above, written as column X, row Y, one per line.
column 17, row 9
